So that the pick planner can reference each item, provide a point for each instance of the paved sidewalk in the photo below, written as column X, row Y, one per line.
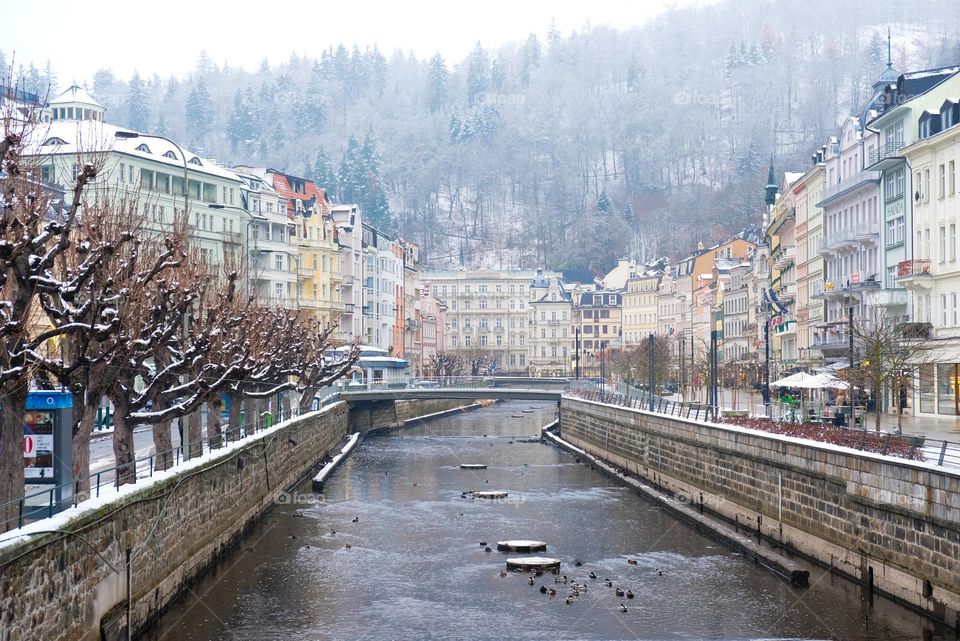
column 946, row 428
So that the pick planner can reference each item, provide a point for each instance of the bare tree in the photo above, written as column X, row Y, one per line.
column 33, row 234
column 633, row 363
column 446, row 365
column 102, row 273
column 888, row 355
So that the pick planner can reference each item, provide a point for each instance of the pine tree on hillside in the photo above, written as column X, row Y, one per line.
column 351, row 179
column 3, row 68
column 200, row 111
column 370, row 157
column 628, row 214
column 877, row 49
column 161, row 127
column 49, row 80
column 241, row 126
column 377, row 72
column 437, row 84
column 531, row 59
column 498, row 74
column 603, row 203
column 478, row 74
column 137, row 104
column 323, row 174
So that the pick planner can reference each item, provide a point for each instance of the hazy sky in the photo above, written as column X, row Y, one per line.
column 165, row 37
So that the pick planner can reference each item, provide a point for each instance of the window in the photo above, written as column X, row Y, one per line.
column 943, row 244
column 143, row 148
column 943, row 309
column 278, row 290
column 898, row 183
column 926, row 185
column 953, row 241
column 953, row 307
column 278, row 262
column 170, row 154
column 942, row 188
column 195, row 161
column 952, row 178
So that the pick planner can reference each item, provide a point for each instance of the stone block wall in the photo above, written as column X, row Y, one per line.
column 66, row 585
column 865, row 515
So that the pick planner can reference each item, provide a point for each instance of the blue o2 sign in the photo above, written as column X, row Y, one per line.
column 47, row 437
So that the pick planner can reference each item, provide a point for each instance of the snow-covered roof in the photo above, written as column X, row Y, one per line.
column 791, row 177
column 75, row 94
column 90, row 136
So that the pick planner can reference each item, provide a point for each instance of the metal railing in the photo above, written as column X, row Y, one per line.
column 939, row 452
column 29, row 509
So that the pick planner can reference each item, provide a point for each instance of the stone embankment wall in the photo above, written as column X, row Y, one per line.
column 372, row 415
column 70, row 582
column 894, row 523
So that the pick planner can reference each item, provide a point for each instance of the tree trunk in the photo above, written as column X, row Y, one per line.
column 233, row 427
column 123, row 449
column 251, row 419
column 306, row 399
column 162, row 446
column 193, row 433
column 877, row 404
column 196, row 433
column 81, row 447
column 214, row 424
column 11, row 454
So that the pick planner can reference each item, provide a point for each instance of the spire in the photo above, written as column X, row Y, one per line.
column 771, row 188
column 889, row 54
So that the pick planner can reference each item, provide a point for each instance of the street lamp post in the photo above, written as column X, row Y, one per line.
column 246, row 241
column 650, row 372
column 576, row 358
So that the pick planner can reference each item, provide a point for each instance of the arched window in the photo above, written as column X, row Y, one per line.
column 195, row 161
column 170, row 154
column 54, row 141
column 143, row 147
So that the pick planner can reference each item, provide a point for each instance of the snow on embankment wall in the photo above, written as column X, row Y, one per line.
column 66, row 577
column 868, row 516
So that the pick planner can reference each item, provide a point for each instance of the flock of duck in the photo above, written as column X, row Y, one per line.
column 578, row 588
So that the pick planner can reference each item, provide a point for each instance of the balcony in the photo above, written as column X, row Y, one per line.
column 788, row 293
column 888, row 298
column 861, row 281
column 848, row 185
column 886, row 156
column 783, row 256
column 915, row 273
column 832, row 344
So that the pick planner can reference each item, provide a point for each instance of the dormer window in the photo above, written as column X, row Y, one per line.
column 143, row 147
column 54, row 141
column 929, row 124
column 948, row 114
column 195, row 161
column 170, row 154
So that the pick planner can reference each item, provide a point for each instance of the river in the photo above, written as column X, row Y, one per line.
column 415, row 567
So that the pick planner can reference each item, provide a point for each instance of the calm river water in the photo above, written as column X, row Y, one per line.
column 416, row 569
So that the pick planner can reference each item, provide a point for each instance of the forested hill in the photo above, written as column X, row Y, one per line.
column 563, row 150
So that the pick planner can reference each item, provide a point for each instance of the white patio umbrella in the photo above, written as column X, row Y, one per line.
column 794, row 380
column 824, row 381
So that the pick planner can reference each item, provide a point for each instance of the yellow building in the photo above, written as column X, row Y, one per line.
column 318, row 276
column 640, row 308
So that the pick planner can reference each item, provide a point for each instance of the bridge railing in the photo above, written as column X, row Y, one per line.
column 941, row 453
